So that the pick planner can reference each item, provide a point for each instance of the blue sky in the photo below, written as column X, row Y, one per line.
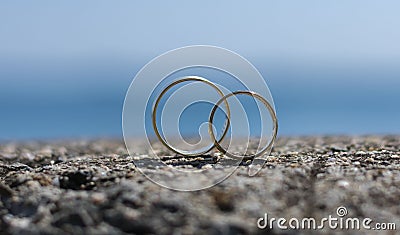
column 62, row 63
column 330, row 29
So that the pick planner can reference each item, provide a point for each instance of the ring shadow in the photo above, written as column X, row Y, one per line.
column 205, row 159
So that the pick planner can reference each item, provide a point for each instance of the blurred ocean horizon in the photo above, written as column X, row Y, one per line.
column 84, row 99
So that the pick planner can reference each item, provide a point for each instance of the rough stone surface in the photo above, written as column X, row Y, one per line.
column 93, row 187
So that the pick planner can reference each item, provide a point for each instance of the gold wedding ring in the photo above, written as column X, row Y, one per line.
column 271, row 112
column 154, row 116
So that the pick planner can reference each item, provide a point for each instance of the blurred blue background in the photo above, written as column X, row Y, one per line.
column 333, row 67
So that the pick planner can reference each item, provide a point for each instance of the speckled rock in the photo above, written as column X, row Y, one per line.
column 93, row 187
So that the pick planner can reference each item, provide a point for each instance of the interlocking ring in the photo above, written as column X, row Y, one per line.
column 154, row 116
column 216, row 143
column 271, row 112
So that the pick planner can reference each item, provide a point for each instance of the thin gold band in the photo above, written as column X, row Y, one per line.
column 154, row 116
column 257, row 96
